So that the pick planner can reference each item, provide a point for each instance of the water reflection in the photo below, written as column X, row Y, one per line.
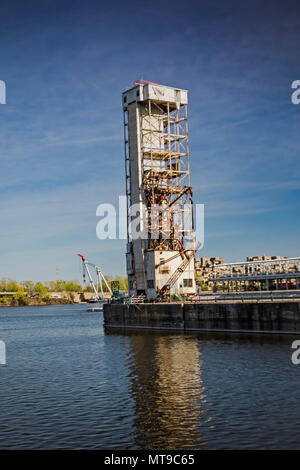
column 67, row 385
column 168, row 390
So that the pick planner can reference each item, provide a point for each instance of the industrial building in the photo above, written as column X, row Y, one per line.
column 274, row 273
column 161, row 241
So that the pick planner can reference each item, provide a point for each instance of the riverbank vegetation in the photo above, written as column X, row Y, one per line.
column 43, row 293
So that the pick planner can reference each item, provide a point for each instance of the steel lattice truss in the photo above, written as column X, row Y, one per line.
column 166, row 175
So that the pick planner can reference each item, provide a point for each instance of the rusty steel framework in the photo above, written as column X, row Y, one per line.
column 166, row 175
column 158, row 188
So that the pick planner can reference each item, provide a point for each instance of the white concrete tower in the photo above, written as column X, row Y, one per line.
column 160, row 259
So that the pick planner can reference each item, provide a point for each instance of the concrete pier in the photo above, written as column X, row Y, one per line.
column 256, row 317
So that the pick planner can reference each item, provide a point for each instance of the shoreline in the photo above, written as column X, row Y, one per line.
column 41, row 304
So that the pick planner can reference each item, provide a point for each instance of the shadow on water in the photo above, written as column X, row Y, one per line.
column 172, row 408
column 167, row 387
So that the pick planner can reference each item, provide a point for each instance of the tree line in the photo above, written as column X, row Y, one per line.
column 9, row 285
column 40, row 291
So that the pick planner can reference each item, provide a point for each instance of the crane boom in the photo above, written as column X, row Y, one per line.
column 100, row 277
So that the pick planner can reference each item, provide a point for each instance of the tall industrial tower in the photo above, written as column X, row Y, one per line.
column 161, row 260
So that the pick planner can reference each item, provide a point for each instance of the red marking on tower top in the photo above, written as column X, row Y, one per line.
column 142, row 82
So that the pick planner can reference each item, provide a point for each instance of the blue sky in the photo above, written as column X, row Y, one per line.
column 66, row 63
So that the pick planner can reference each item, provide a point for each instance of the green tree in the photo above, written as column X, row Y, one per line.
column 20, row 298
column 28, row 286
column 60, row 286
column 88, row 289
column 41, row 289
column 73, row 286
column 201, row 283
column 46, row 297
column 9, row 285
column 51, row 286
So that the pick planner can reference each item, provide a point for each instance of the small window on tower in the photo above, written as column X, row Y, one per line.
column 164, row 270
column 138, row 93
column 125, row 99
column 150, row 284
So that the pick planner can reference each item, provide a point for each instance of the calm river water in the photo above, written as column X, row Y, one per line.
column 69, row 384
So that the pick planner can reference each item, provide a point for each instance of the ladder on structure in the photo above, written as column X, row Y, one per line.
column 176, row 274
